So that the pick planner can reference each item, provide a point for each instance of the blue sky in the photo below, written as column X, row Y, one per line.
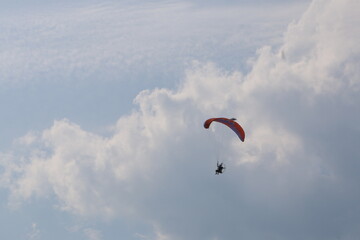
column 103, row 104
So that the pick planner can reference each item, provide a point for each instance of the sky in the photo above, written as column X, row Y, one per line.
column 103, row 104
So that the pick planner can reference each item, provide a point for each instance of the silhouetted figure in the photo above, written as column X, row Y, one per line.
column 220, row 168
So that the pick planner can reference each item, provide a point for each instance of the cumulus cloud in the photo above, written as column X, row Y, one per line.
column 295, row 176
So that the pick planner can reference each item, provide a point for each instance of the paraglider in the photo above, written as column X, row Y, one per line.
column 231, row 123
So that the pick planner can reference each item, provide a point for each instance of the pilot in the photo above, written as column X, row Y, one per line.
column 220, row 168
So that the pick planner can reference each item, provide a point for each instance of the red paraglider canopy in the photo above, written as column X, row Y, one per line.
column 230, row 123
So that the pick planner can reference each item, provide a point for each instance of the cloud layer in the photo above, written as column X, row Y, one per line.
column 295, row 176
column 111, row 40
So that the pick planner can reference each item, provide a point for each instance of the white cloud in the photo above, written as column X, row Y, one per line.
column 111, row 40
column 295, row 177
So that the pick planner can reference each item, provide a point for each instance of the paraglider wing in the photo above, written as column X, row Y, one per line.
column 230, row 123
